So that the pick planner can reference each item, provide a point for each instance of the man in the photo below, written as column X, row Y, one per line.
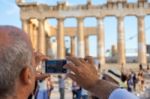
column 115, row 76
column 84, row 73
column 76, row 90
column 61, row 84
column 17, row 64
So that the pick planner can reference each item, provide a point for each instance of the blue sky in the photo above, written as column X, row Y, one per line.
column 10, row 16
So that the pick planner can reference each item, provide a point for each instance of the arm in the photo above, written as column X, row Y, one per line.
column 85, row 74
column 39, row 57
column 103, row 89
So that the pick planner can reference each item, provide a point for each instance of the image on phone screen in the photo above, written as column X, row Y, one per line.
column 55, row 66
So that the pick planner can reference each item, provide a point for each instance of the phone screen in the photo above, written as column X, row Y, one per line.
column 55, row 66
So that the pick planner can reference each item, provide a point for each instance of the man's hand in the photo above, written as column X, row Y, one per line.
column 39, row 57
column 42, row 76
column 83, row 72
column 90, row 60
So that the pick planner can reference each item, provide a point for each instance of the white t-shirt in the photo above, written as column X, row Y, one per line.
column 84, row 92
column 122, row 94
column 61, row 83
column 42, row 85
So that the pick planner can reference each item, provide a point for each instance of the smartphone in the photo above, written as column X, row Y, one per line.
column 55, row 66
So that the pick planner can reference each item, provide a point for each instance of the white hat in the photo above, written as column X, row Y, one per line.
column 115, row 74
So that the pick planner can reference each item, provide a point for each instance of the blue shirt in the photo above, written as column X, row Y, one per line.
column 61, row 83
column 122, row 94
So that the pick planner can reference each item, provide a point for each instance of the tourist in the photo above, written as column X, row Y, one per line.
column 124, row 80
column 99, row 67
column 115, row 76
column 147, row 67
column 84, row 73
column 50, row 87
column 84, row 93
column 141, row 80
column 130, row 83
column 43, row 90
column 61, row 83
column 17, row 64
column 133, row 75
column 76, row 90
column 140, row 67
column 73, row 90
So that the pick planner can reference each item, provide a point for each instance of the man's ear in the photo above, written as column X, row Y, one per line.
column 26, row 75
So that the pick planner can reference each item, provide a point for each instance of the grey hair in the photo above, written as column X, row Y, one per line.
column 13, row 58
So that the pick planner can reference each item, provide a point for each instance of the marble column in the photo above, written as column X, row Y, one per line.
column 25, row 24
column 42, row 37
column 100, row 40
column 35, row 38
column 121, row 42
column 60, row 39
column 34, row 28
column 31, row 31
column 89, row 2
column 48, row 47
column 86, row 45
column 141, row 41
column 80, row 44
column 73, row 45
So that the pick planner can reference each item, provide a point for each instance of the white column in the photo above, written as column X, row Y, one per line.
column 141, row 42
column 25, row 24
column 49, row 48
column 89, row 1
column 86, row 45
column 81, row 46
column 35, row 37
column 72, row 46
column 121, row 41
column 42, row 37
column 31, row 31
column 100, row 40
column 60, row 39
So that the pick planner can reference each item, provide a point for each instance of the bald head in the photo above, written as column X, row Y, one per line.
column 9, row 34
column 15, row 54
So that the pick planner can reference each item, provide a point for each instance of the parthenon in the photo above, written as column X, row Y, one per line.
column 33, row 16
